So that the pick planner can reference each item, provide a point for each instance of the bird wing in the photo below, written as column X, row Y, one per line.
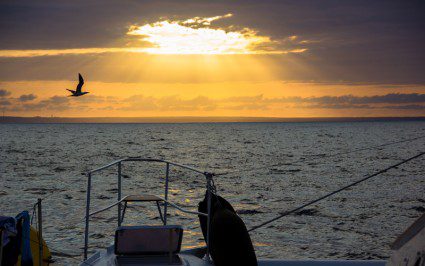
column 80, row 83
column 70, row 91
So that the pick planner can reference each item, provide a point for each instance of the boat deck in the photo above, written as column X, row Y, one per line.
column 191, row 257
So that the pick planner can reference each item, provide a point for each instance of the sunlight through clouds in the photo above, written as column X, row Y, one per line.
column 195, row 36
column 196, row 21
column 56, row 52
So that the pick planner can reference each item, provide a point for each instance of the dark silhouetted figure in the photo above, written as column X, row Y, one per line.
column 78, row 91
column 230, row 243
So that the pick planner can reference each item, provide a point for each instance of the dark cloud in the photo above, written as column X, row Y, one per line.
column 168, row 103
column 174, row 103
column 27, row 97
column 413, row 101
column 4, row 93
column 365, row 106
column 406, row 107
column 387, row 101
column 5, row 103
column 56, row 103
column 338, row 106
column 393, row 98
column 60, row 103
column 93, row 98
column 353, row 40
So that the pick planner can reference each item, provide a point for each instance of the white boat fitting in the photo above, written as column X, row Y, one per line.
column 161, row 245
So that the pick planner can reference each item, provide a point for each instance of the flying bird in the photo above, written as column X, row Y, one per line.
column 78, row 91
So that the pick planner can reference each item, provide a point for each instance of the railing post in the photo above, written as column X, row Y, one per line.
column 166, row 192
column 208, row 176
column 119, row 193
column 40, row 233
column 1, row 245
column 86, row 233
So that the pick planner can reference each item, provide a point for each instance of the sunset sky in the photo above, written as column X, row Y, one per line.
column 213, row 58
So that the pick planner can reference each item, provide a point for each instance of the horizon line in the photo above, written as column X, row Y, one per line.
column 198, row 119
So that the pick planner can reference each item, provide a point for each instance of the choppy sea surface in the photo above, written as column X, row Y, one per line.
column 271, row 167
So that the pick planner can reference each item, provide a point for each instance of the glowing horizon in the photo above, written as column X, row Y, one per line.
column 267, row 99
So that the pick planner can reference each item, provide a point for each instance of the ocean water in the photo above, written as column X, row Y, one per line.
column 271, row 167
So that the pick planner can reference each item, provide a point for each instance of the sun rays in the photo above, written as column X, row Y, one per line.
column 195, row 36
column 192, row 36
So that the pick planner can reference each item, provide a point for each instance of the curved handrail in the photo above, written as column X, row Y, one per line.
column 166, row 201
column 119, row 162
column 140, row 159
column 103, row 167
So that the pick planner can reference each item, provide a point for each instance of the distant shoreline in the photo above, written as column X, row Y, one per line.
column 190, row 119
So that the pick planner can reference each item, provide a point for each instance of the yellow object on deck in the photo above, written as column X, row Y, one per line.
column 47, row 256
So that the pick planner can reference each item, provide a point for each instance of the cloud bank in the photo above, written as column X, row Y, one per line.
column 190, row 36
column 27, row 97
column 196, row 36
column 347, row 41
column 4, row 93
column 395, row 101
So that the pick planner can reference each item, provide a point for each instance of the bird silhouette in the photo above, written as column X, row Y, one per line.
column 78, row 91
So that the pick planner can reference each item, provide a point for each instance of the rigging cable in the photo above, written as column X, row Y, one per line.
column 335, row 192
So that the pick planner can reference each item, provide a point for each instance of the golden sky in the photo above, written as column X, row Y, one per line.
column 200, row 66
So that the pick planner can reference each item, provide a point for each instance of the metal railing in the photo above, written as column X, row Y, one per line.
column 162, row 199
column 120, row 199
